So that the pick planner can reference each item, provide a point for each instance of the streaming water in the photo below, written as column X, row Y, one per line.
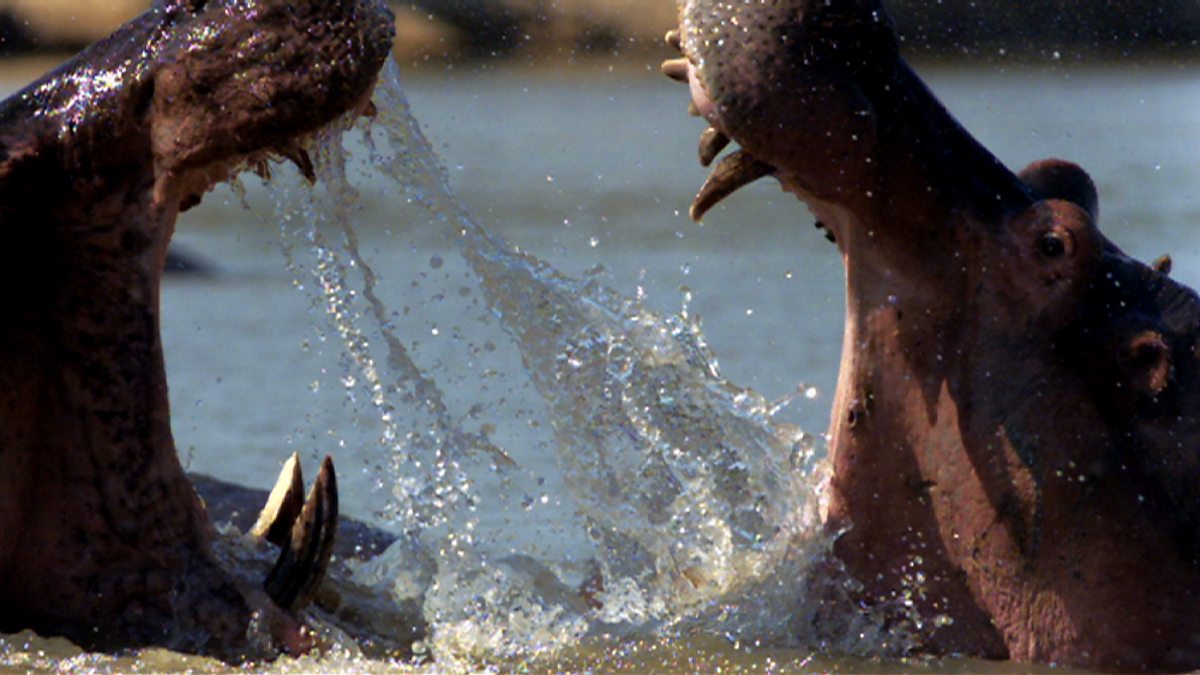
column 688, row 509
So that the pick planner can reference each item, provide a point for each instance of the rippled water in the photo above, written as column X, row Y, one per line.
column 551, row 416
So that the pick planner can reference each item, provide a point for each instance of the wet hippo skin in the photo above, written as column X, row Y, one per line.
column 102, row 538
column 1016, row 425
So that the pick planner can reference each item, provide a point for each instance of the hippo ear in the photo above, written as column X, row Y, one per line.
column 1060, row 179
column 1147, row 362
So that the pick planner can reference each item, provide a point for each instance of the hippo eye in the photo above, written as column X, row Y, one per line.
column 1053, row 245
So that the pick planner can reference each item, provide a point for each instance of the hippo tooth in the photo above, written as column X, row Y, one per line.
column 299, row 157
column 283, row 505
column 1163, row 265
column 370, row 111
column 712, row 142
column 263, row 168
column 301, row 567
column 676, row 69
column 734, row 172
column 675, row 40
column 693, row 109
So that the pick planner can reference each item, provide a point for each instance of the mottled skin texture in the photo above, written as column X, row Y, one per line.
column 102, row 538
column 1017, row 417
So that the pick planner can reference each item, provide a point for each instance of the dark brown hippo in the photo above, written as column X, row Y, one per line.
column 1016, row 425
column 102, row 537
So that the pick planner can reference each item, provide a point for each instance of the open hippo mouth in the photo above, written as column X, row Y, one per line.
column 1017, row 418
column 102, row 538
column 739, row 58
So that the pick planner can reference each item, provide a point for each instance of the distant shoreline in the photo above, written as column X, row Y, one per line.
column 441, row 31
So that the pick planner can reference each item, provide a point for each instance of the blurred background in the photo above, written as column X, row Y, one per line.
column 451, row 30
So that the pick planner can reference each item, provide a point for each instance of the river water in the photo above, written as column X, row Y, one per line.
column 545, row 374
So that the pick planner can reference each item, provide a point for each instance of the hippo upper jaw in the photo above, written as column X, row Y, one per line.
column 102, row 538
column 302, row 66
column 205, row 87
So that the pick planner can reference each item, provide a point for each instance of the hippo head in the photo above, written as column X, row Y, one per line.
column 284, row 70
column 1018, row 412
column 209, row 85
column 102, row 538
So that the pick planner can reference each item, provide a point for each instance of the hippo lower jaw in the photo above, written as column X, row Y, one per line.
column 1015, row 430
column 102, row 538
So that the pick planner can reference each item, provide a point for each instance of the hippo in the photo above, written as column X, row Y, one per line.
column 103, row 539
column 1015, row 430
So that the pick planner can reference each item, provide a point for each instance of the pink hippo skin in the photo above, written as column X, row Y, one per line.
column 1017, row 410
column 102, row 538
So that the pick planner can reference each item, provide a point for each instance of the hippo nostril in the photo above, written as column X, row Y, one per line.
column 1052, row 245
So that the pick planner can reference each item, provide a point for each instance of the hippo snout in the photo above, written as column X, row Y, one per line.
column 794, row 95
column 245, row 80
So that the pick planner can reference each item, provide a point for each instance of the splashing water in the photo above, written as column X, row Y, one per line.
column 684, row 508
column 571, row 468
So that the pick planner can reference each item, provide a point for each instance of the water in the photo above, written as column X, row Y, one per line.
column 535, row 427
column 689, row 505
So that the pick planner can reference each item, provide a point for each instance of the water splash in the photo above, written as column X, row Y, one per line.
column 572, row 474
column 699, row 513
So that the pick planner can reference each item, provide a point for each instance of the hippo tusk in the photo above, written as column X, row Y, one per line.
column 732, row 174
column 301, row 566
column 284, row 505
column 712, row 142
column 676, row 69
